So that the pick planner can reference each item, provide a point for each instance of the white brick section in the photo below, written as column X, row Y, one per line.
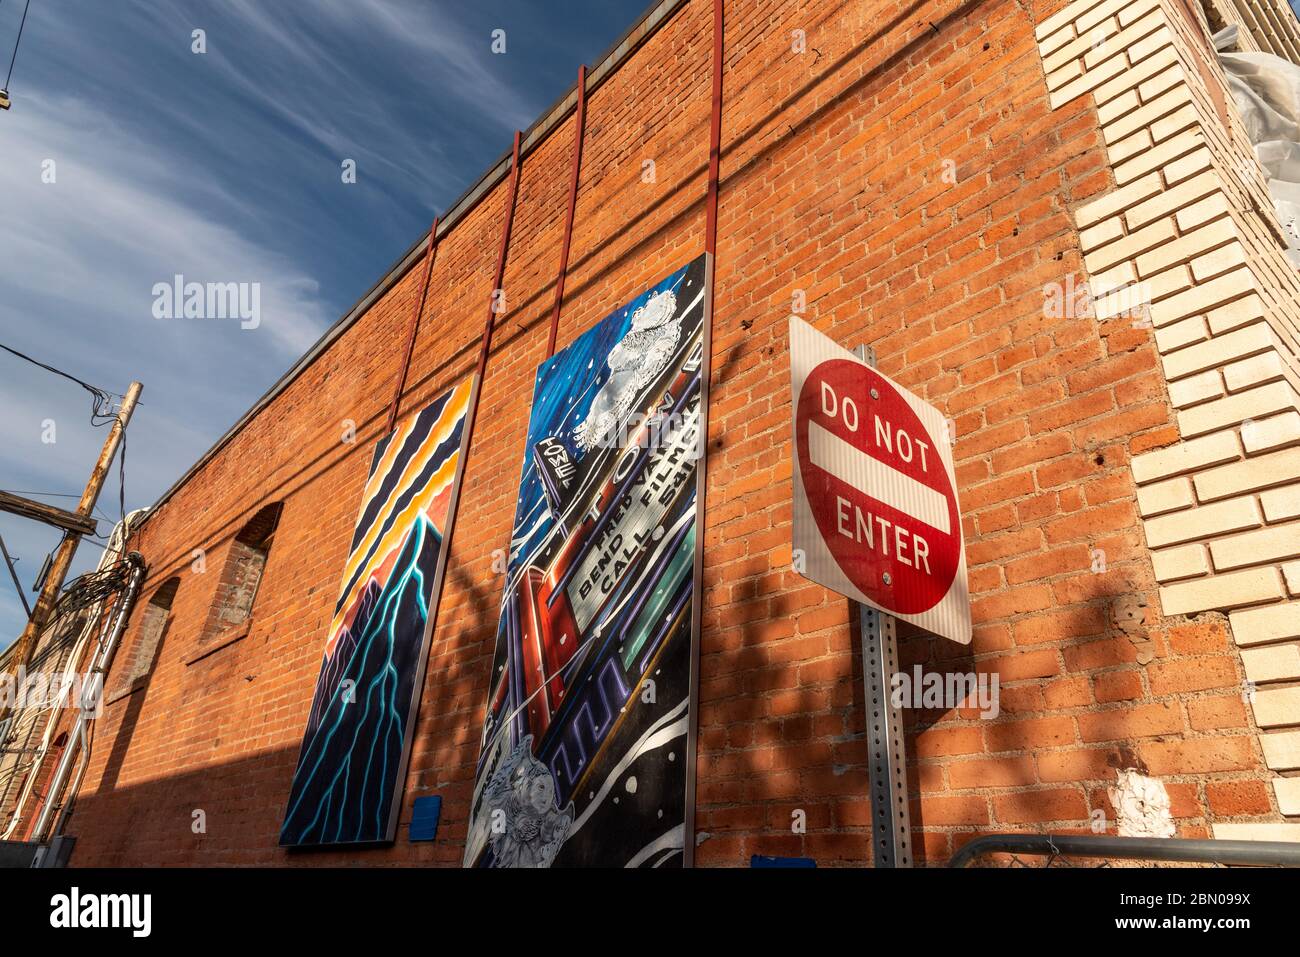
column 1169, row 201
column 1252, row 404
column 1088, row 82
column 1116, row 202
column 1272, row 544
column 1105, row 43
column 1070, row 51
column 1186, row 247
column 1196, row 389
column 1235, row 314
column 1227, row 590
column 1138, row 75
column 1281, row 503
column 1265, row 367
column 1200, row 213
column 1272, row 663
column 1166, row 496
column 1186, row 457
column 1254, row 626
column 1149, row 118
column 1104, row 232
column 1281, row 750
column 1177, row 121
column 1157, row 236
column 1188, row 229
column 1191, row 524
column 1187, row 561
column 1288, row 795
column 1276, row 707
column 1205, row 296
column 1220, row 351
column 1291, row 572
column 1257, row 832
column 1248, row 476
column 1272, row 433
column 1166, row 152
column 1183, row 333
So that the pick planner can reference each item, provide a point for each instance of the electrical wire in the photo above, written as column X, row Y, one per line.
column 101, row 409
column 18, row 586
column 17, row 40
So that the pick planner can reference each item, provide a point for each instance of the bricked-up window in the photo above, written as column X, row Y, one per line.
column 154, row 618
column 242, row 573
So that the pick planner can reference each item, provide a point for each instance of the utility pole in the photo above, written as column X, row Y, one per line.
column 26, row 644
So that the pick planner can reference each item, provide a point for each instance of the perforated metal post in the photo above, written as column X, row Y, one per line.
column 891, row 842
column 886, row 749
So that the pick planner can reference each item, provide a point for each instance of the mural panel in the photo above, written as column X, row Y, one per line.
column 347, row 788
column 586, row 745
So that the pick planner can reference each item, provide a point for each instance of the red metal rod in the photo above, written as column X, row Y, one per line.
column 580, row 117
column 486, row 345
column 415, row 324
column 487, row 334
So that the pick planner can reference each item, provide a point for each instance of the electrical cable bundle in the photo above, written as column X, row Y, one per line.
column 85, row 590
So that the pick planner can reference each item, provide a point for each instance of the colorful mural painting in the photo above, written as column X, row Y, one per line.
column 348, row 784
column 586, row 745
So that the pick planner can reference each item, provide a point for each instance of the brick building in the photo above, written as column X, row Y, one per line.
column 921, row 175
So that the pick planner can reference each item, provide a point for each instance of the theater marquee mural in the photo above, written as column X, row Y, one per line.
column 587, row 746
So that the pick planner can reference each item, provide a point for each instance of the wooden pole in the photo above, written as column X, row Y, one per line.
column 26, row 644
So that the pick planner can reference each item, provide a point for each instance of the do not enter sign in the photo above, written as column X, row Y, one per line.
column 875, row 512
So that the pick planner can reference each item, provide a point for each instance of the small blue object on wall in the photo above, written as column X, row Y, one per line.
column 760, row 860
column 424, row 818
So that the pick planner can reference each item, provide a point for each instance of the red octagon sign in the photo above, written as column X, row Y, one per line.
column 877, row 487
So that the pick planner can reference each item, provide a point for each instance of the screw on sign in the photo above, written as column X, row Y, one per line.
column 875, row 498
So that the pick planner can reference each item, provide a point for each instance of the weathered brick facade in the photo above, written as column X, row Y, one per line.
column 910, row 173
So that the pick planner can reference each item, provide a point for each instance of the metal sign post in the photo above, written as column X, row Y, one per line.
column 886, row 747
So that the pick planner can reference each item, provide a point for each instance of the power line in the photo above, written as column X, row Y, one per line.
column 17, row 41
column 103, row 398
column 18, row 586
column 101, row 410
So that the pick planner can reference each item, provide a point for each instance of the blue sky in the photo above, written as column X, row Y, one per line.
column 225, row 166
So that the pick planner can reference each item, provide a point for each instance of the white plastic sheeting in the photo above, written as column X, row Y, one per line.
column 1266, row 89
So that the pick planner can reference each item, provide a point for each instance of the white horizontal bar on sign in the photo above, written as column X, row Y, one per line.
column 875, row 478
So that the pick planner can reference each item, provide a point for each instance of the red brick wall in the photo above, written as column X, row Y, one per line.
column 832, row 183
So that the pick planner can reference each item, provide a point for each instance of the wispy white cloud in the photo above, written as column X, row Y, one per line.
column 225, row 167
column 113, row 222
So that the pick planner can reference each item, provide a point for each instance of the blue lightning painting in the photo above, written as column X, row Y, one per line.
column 347, row 786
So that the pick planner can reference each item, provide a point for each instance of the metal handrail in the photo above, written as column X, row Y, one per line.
column 1240, row 853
